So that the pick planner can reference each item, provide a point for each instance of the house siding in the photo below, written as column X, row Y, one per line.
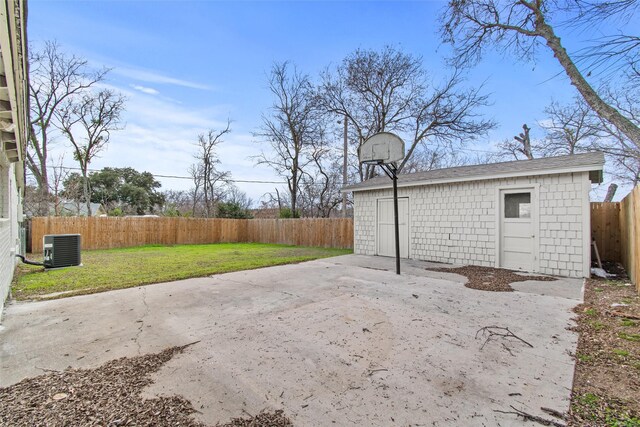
column 458, row 222
column 9, row 211
column 13, row 58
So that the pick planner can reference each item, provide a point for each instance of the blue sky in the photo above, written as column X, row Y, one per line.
column 187, row 66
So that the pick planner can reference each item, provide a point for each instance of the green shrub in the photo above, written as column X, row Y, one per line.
column 287, row 213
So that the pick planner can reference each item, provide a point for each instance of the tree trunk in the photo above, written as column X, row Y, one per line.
column 590, row 96
column 87, row 192
column 294, row 190
column 525, row 139
column 611, row 191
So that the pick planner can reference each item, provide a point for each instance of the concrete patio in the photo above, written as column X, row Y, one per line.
column 341, row 341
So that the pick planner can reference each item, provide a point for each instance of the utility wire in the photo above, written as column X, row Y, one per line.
column 246, row 181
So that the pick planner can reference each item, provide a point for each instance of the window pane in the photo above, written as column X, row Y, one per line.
column 517, row 205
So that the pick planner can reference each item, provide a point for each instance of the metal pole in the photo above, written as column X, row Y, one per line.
column 344, row 170
column 395, row 215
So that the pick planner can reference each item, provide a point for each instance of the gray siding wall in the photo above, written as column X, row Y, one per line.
column 9, row 210
column 458, row 222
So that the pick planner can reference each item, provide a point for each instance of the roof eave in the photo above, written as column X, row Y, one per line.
column 585, row 168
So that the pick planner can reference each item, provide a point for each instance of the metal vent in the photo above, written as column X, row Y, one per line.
column 61, row 250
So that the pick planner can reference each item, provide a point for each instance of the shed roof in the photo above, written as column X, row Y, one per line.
column 592, row 162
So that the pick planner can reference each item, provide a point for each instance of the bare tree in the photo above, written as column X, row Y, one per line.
column 177, row 203
column 273, row 200
column 446, row 117
column 523, row 26
column 518, row 148
column 205, row 173
column 570, row 128
column 73, row 190
column 195, row 173
column 320, row 184
column 54, row 77
column 236, row 196
column 574, row 127
column 623, row 151
column 293, row 124
column 60, row 174
column 436, row 156
column 390, row 91
column 87, row 122
column 628, row 170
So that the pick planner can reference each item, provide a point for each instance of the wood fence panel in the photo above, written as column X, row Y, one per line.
column 114, row 232
column 630, row 235
column 605, row 229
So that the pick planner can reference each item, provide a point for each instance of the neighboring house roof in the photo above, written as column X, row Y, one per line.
column 69, row 208
column 80, row 209
column 587, row 162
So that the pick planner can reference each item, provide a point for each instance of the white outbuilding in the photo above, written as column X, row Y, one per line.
column 529, row 215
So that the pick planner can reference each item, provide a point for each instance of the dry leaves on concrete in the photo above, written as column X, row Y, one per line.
column 106, row 396
column 489, row 278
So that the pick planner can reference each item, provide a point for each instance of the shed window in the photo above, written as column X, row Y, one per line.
column 517, row 205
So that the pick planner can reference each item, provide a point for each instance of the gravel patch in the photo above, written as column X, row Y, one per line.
column 107, row 396
column 491, row 279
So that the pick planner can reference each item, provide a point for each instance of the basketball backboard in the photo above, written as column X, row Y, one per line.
column 383, row 147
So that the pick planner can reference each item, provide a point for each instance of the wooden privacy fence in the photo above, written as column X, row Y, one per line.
column 616, row 230
column 115, row 232
column 630, row 235
column 605, row 229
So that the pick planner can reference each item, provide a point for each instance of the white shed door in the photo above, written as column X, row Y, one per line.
column 386, row 227
column 516, row 229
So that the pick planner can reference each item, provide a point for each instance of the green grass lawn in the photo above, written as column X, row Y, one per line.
column 124, row 268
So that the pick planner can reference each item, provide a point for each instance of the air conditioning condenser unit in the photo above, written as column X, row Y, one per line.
column 61, row 250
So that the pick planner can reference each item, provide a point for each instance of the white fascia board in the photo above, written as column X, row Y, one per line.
column 587, row 168
column 8, row 59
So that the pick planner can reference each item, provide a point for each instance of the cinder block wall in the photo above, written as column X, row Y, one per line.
column 456, row 223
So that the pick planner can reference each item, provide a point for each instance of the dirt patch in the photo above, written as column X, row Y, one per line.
column 106, row 396
column 489, row 278
column 607, row 377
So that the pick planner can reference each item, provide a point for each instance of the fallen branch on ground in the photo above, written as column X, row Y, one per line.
column 495, row 331
column 530, row 417
column 373, row 371
column 625, row 315
column 554, row 413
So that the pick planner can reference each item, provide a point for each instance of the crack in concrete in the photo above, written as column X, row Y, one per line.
column 272, row 288
column 141, row 320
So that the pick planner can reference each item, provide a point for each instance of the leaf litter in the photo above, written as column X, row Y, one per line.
column 109, row 395
column 491, row 279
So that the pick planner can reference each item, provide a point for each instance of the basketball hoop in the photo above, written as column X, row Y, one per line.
column 381, row 148
column 384, row 149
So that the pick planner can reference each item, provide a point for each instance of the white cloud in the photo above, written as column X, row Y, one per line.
column 144, row 89
column 140, row 74
column 154, row 77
